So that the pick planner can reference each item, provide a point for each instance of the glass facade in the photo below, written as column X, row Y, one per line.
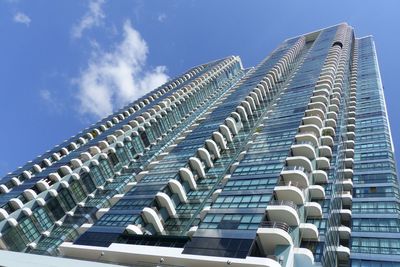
column 288, row 163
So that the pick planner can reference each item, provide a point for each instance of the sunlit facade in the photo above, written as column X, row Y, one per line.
column 288, row 163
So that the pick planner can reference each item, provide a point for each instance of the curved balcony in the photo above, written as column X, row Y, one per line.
column 310, row 128
column 349, row 144
column 350, row 135
column 333, row 107
column 330, row 123
column 335, row 101
column 322, row 86
column 325, row 151
column 313, row 209
column 300, row 161
column 323, row 163
column 303, row 257
column 343, row 253
column 295, row 175
column 307, row 137
column 345, row 215
column 321, row 91
column 313, row 120
column 309, row 231
column 328, row 131
column 327, row 140
column 351, row 114
column 305, row 148
column 351, row 108
column 320, row 177
column 283, row 211
column 325, row 80
column 318, row 105
column 349, row 162
column 347, row 173
column 351, row 120
column 349, row 152
column 315, row 112
column 344, row 232
column 331, row 115
column 347, row 197
column 347, row 184
column 272, row 234
column 289, row 192
column 337, row 89
column 320, row 98
column 351, row 127
column 316, row 192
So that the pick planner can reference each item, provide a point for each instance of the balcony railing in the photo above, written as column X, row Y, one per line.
column 305, row 143
column 284, row 203
column 278, row 225
column 294, row 168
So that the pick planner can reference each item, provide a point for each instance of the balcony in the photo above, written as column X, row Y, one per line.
column 344, row 232
column 323, row 163
column 315, row 112
column 310, row 128
column 316, row 192
column 345, row 215
column 304, row 148
column 313, row 120
column 272, row 234
column 283, row 211
column 347, row 184
column 333, row 107
column 313, row 209
column 289, row 192
column 343, row 253
column 347, row 198
column 295, row 175
column 303, row 257
column 349, row 152
column 347, row 173
column 328, row 131
column 351, row 120
column 351, row 127
column 325, row 151
column 327, row 140
column 307, row 137
column 330, row 123
column 324, row 92
column 301, row 162
column 320, row 176
column 318, row 105
column 309, row 231
column 350, row 135
column 319, row 98
column 348, row 163
column 331, row 115
column 351, row 114
column 349, row 144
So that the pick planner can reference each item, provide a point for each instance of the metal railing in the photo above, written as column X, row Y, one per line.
column 279, row 225
column 284, row 203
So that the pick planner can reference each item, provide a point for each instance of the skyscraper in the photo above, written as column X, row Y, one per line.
column 289, row 163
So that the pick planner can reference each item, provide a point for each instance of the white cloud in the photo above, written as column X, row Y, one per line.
column 116, row 78
column 162, row 17
column 93, row 17
column 22, row 18
column 51, row 100
column 45, row 95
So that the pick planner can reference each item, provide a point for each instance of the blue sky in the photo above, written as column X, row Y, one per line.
column 55, row 54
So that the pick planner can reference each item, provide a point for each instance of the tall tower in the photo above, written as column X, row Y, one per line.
column 289, row 163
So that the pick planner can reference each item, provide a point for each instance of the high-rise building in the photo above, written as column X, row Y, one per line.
column 289, row 163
